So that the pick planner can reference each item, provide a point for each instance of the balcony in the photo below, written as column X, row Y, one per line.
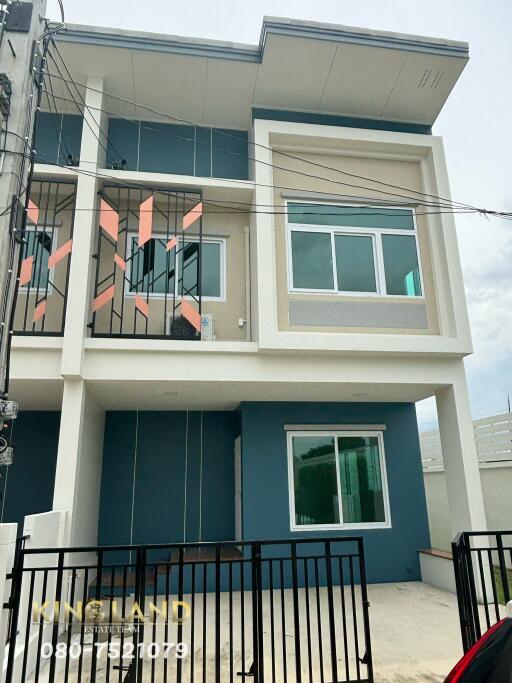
column 161, row 267
column 46, row 256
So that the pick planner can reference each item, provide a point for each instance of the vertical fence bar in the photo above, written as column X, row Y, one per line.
column 217, row 613
column 283, row 618
column 484, row 589
column 255, row 589
column 97, row 597
column 272, row 619
column 319, row 622
column 17, row 580
column 56, row 617
column 296, row 616
column 28, row 625
column 82, row 625
column 330, row 603
column 41, row 628
column 503, row 568
column 179, row 667
column 473, row 602
column 459, row 586
column 70, row 623
column 344, row 616
column 192, row 622
column 308, row 620
column 366, row 609
column 354, row 610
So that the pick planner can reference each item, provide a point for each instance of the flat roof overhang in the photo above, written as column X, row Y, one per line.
column 297, row 66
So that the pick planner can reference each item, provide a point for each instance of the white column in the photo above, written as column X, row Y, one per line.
column 92, row 156
column 79, row 461
column 463, row 485
column 264, row 263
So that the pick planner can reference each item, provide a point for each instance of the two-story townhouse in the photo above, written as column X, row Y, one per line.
column 240, row 273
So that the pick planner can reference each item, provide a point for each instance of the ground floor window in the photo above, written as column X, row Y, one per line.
column 337, row 480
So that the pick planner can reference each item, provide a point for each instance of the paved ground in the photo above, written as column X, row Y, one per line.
column 415, row 632
column 415, row 638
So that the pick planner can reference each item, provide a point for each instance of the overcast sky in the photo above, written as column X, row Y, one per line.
column 475, row 123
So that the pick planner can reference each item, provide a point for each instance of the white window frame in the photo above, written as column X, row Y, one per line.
column 191, row 238
column 378, row 253
column 338, row 526
column 26, row 289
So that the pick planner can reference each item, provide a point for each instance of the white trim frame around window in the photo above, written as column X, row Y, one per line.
column 376, row 235
column 294, row 527
column 54, row 232
column 157, row 295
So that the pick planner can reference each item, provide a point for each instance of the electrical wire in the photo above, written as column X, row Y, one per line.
column 229, row 209
column 456, row 206
column 84, row 104
column 176, row 119
column 345, row 184
column 292, row 156
column 82, row 110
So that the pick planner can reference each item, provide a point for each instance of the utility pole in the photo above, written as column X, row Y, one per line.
column 22, row 25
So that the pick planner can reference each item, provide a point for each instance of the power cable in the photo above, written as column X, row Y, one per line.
column 282, row 168
column 84, row 104
column 218, row 203
column 259, row 145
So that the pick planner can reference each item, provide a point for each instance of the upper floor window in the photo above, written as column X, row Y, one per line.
column 38, row 244
column 155, row 270
column 353, row 250
column 337, row 479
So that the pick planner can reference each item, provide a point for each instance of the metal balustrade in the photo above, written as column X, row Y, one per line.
column 46, row 256
column 148, row 264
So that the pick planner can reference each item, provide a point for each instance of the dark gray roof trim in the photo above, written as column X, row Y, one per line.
column 154, row 42
column 360, row 36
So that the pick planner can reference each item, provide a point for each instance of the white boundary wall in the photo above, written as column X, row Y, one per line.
column 45, row 530
column 493, row 437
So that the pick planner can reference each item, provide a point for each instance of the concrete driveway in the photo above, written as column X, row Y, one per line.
column 415, row 632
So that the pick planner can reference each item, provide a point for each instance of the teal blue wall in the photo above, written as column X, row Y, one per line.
column 57, row 136
column 336, row 120
column 161, row 441
column 27, row 484
column 391, row 554
column 177, row 148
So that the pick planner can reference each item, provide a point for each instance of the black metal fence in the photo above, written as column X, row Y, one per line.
column 46, row 257
column 20, row 544
column 483, row 576
column 148, row 264
column 287, row 611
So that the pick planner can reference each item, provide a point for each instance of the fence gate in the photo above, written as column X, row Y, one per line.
column 483, row 577
column 287, row 611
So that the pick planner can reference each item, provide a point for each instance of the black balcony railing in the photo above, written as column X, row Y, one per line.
column 148, row 264
column 46, row 256
column 287, row 611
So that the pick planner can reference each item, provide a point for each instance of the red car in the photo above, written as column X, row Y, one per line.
column 490, row 659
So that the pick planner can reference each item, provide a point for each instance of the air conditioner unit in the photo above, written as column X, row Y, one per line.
column 181, row 328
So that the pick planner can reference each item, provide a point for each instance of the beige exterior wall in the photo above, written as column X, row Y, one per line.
column 231, row 229
column 401, row 173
